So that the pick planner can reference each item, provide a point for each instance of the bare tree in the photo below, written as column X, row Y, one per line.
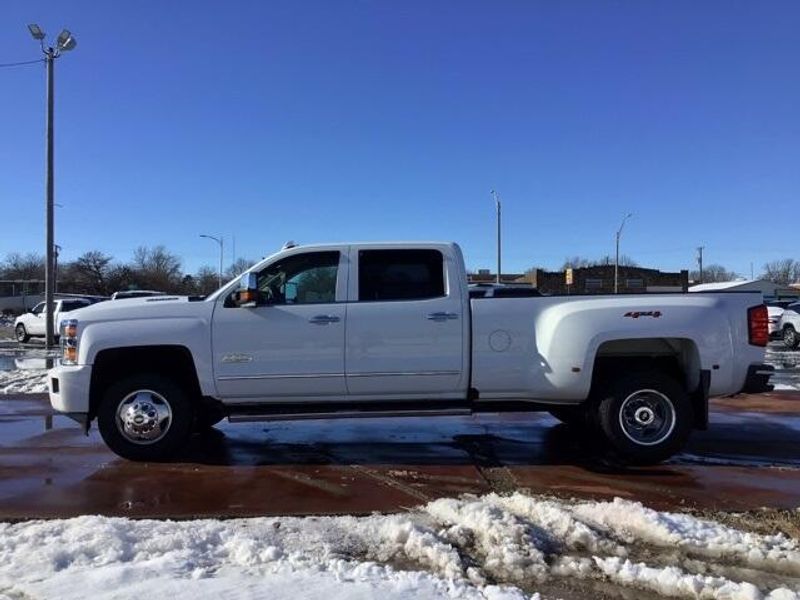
column 157, row 268
column 784, row 271
column 206, row 280
column 91, row 271
column 238, row 267
column 624, row 261
column 714, row 274
column 23, row 266
column 576, row 262
column 579, row 262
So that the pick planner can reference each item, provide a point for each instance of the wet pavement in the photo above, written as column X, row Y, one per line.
column 749, row 458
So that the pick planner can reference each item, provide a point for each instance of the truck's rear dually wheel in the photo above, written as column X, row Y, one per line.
column 646, row 417
column 145, row 417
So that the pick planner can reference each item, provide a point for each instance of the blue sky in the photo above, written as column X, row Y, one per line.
column 366, row 120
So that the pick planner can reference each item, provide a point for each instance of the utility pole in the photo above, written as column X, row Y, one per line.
column 616, row 257
column 499, row 262
column 64, row 43
column 219, row 241
column 700, row 261
column 55, row 266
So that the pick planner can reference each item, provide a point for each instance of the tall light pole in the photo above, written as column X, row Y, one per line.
column 64, row 43
column 499, row 262
column 221, row 245
column 616, row 258
column 700, row 261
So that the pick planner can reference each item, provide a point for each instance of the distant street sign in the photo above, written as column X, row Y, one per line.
column 568, row 276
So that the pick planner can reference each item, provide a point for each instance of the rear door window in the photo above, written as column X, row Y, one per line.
column 400, row 275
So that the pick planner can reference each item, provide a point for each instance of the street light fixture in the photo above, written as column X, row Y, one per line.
column 219, row 240
column 616, row 259
column 64, row 43
column 36, row 31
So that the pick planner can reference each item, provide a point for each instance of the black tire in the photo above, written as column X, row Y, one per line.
column 790, row 338
column 574, row 416
column 21, row 333
column 633, row 400
column 176, row 432
column 207, row 416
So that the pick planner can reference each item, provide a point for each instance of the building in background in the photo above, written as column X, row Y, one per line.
column 600, row 280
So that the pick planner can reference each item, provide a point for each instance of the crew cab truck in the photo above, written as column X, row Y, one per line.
column 389, row 330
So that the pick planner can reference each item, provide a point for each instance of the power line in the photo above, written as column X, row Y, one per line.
column 19, row 64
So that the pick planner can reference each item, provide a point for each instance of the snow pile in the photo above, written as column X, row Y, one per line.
column 492, row 547
column 27, row 381
column 633, row 522
column 23, row 372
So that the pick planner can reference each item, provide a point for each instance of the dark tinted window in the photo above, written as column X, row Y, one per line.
column 400, row 274
column 516, row 292
column 68, row 305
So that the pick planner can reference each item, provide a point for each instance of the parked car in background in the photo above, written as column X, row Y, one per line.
column 136, row 294
column 789, row 326
column 32, row 324
column 774, row 312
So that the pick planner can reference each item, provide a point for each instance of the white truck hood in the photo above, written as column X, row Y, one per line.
column 153, row 307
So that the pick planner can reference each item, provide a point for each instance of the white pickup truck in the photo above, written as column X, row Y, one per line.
column 370, row 329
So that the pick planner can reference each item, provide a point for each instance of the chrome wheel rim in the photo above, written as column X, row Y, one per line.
column 143, row 417
column 788, row 337
column 20, row 333
column 647, row 417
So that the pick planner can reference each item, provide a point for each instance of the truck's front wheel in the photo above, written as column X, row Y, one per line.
column 145, row 417
column 646, row 417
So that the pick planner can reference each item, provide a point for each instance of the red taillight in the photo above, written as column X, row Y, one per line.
column 758, row 325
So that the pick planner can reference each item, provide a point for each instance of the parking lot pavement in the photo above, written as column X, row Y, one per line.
column 749, row 458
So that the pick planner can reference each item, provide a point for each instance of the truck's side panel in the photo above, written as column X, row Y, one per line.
column 545, row 348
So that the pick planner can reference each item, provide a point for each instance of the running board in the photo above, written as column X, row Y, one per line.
column 344, row 414
column 244, row 413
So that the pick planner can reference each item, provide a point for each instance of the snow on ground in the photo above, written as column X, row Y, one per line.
column 30, row 381
column 490, row 547
column 23, row 371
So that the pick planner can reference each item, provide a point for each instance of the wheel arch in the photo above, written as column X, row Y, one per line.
column 678, row 358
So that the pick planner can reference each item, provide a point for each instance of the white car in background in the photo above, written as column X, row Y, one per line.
column 789, row 326
column 774, row 312
column 33, row 323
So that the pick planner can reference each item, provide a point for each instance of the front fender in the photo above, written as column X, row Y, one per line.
column 191, row 332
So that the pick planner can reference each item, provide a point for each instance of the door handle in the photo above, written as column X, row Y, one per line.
column 442, row 316
column 324, row 319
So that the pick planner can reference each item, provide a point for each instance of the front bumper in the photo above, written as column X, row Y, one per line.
column 69, row 389
column 757, row 380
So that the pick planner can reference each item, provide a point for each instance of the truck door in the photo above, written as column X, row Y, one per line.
column 404, row 326
column 291, row 344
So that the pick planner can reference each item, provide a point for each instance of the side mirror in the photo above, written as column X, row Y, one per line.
column 247, row 295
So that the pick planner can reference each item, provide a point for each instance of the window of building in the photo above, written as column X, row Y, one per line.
column 593, row 283
column 308, row 278
column 400, row 275
column 635, row 283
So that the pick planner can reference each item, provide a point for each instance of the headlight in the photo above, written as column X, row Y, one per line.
column 69, row 342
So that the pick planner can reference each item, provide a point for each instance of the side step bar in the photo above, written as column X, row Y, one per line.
column 244, row 413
